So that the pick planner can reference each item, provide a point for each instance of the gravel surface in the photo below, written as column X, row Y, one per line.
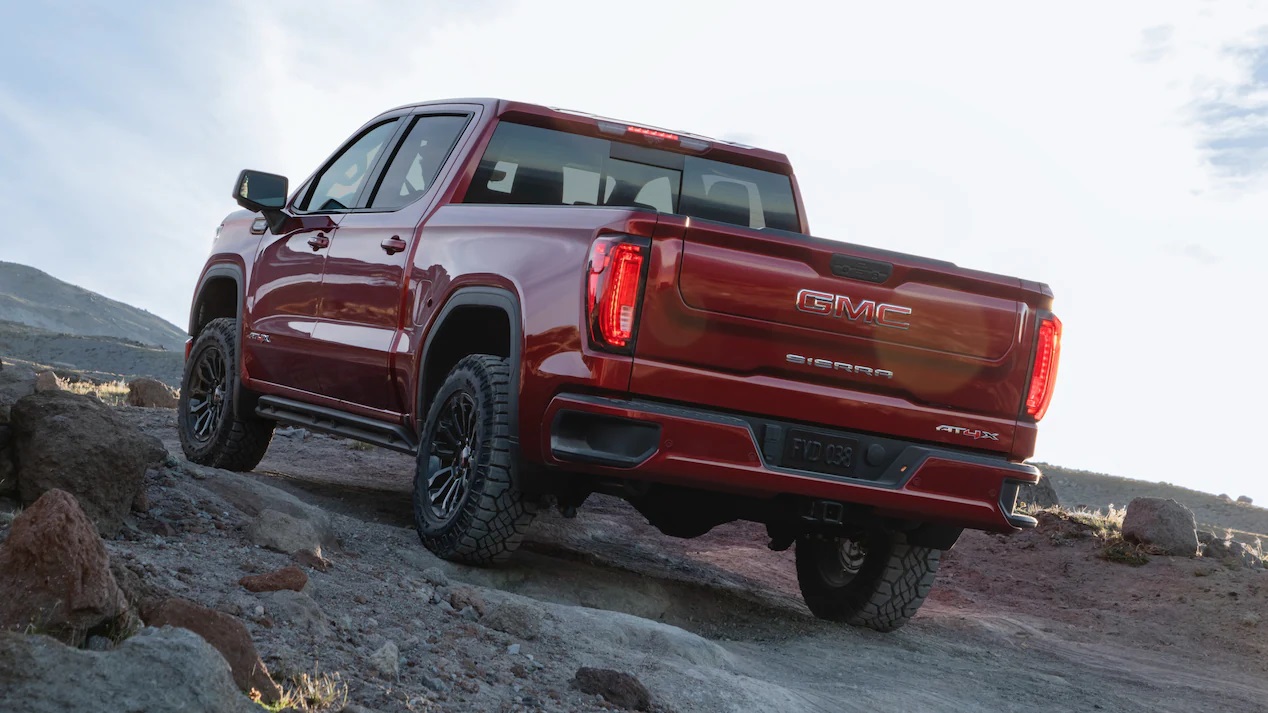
column 1033, row 622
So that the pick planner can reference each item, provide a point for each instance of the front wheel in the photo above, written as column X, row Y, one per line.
column 210, row 432
column 468, row 506
column 876, row 580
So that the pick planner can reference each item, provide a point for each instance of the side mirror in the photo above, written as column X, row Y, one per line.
column 261, row 192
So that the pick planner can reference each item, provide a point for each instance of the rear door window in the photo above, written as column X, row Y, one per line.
column 417, row 160
column 536, row 166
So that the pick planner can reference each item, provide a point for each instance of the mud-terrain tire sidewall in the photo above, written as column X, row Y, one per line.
column 236, row 444
column 493, row 515
column 883, row 595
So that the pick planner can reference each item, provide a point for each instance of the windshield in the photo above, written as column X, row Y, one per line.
column 531, row 165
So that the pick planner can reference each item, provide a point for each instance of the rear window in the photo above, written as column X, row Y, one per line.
column 531, row 165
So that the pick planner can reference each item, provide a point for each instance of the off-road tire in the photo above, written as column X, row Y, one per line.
column 883, row 594
column 489, row 519
column 233, row 443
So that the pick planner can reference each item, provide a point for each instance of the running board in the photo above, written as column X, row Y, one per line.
column 337, row 423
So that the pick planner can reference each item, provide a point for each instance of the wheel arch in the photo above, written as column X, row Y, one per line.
column 219, row 294
column 473, row 320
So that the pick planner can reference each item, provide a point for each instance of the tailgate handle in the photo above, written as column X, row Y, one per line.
column 861, row 268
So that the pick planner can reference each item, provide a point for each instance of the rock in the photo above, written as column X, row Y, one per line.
column 387, row 660
column 15, row 383
column 1215, row 548
column 290, row 577
column 99, row 643
column 618, row 688
column 1244, row 499
column 1164, row 523
column 1245, row 555
column 436, row 577
column 227, row 634
column 1039, row 495
column 46, row 381
column 313, row 559
column 55, row 574
column 70, row 442
column 1225, row 497
column 253, row 497
column 296, row 610
column 519, row 620
column 284, row 533
column 462, row 597
column 150, row 393
column 156, row 670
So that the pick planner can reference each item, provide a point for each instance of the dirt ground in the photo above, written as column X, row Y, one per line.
column 1033, row 622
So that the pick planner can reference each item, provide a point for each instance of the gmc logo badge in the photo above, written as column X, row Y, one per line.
column 865, row 311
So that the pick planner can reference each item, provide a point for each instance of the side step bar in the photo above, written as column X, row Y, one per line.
column 327, row 420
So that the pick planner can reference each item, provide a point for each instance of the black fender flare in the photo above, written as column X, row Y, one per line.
column 478, row 296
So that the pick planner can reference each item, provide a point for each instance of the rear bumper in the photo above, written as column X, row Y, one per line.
column 743, row 455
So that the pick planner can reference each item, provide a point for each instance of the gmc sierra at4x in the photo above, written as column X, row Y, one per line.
column 542, row 304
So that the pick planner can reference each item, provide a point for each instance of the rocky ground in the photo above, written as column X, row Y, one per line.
column 1039, row 621
column 101, row 359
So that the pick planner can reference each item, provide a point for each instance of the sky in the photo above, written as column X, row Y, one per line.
column 1116, row 151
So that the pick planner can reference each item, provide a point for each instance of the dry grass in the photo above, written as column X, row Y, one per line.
column 111, row 393
column 318, row 693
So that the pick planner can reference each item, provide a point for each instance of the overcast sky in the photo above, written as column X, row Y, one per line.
column 1116, row 151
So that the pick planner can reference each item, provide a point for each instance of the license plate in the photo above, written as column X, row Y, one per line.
column 806, row 450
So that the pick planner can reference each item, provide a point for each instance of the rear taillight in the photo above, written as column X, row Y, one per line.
column 1044, row 373
column 613, row 291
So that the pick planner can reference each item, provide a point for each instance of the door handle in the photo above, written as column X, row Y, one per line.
column 393, row 244
column 319, row 242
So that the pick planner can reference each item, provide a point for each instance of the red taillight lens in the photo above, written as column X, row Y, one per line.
column 1044, row 374
column 613, row 286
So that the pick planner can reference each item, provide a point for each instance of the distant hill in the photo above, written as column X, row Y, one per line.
column 1099, row 491
column 98, row 358
column 34, row 298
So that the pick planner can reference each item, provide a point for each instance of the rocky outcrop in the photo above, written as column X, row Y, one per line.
column 1245, row 499
column 226, row 633
column 55, row 574
column 253, row 498
column 1163, row 523
column 150, row 393
column 291, row 577
column 156, row 671
column 80, row 445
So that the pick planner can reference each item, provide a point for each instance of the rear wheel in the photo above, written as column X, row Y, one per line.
column 876, row 580
column 210, row 432
column 468, row 506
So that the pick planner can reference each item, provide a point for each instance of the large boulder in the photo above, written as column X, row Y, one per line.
column 156, row 671
column 1163, row 523
column 1245, row 499
column 55, row 574
column 1040, row 495
column 226, row 633
column 80, row 445
column 253, row 497
column 150, row 393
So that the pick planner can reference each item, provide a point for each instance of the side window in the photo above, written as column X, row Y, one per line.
column 417, row 160
column 338, row 186
column 530, row 165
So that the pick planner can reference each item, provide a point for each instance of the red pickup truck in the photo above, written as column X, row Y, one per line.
column 543, row 304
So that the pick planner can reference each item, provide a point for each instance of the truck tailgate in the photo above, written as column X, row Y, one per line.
column 823, row 332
